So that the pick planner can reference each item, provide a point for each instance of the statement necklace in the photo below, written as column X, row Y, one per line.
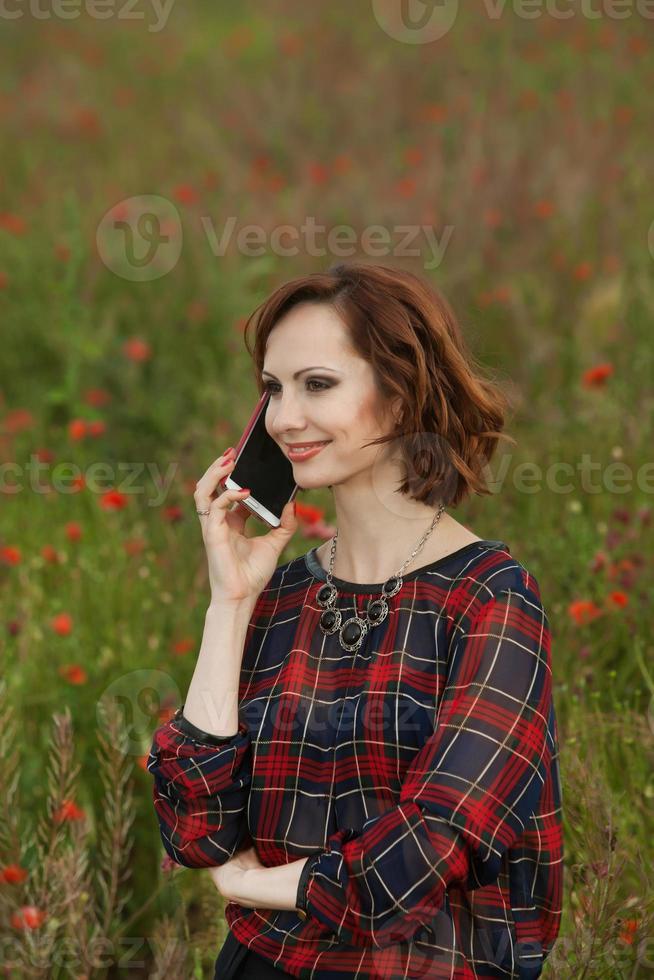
column 351, row 633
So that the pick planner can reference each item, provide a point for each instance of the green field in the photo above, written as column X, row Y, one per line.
column 507, row 161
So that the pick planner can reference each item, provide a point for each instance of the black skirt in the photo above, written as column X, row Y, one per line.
column 237, row 962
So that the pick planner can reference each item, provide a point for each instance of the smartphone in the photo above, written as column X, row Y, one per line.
column 263, row 467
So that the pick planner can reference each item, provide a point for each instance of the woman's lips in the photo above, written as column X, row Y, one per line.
column 297, row 456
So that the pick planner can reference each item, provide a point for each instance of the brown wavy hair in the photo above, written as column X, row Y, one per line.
column 451, row 415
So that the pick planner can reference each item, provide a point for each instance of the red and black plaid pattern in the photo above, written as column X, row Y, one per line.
column 422, row 773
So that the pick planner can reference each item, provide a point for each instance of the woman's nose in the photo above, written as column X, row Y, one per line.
column 286, row 415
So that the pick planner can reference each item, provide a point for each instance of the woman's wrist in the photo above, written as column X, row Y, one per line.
column 268, row 888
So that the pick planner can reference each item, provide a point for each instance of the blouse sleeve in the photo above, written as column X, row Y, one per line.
column 468, row 793
column 200, row 792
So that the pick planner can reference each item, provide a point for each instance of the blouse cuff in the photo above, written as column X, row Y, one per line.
column 198, row 735
column 303, row 884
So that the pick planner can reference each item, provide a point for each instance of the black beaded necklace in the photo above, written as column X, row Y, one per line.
column 352, row 632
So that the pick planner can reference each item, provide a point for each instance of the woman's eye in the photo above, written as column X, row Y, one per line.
column 273, row 386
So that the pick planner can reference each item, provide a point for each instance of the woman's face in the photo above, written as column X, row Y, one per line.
column 336, row 400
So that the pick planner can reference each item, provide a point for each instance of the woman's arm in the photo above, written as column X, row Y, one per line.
column 257, row 886
column 201, row 760
column 212, row 699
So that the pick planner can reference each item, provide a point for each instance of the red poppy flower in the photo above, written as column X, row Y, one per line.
column 69, row 810
column 637, row 45
column 134, row 546
column 413, row 156
column 87, row 121
column 113, row 500
column 17, row 420
column 181, row 647
column 584, row 611
column 97, row 397
column 28, row 917
column 617, row 598
column 74, row 674
column 185, row 194
column 97, row 428
column 13, row 874
column 77, row 429
column 434, row 112
column 502, row 294
column 308, row 514
column 44, row 455
column 73, row 531
column 62, row 624
column 406, row 186
column 318, row 173
column 12, row 223
column 50, row 554
column 137, row 349
column 582, row 271
column 543, row 209
column 9, row 555
column 628, row 930
column 595, row 377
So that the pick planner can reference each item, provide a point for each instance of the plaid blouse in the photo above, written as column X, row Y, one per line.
column 421, row 774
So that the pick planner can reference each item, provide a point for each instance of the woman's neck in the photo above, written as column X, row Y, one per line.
column 379, row 557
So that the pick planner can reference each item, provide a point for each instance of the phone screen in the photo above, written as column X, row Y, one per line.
column 262, row 466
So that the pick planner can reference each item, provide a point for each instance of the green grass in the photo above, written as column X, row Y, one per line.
column 244, row 106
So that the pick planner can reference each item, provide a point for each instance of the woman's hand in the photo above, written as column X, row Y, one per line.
column 227, row 877
column 239, row 567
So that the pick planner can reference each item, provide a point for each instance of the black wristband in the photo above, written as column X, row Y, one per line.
column 302, row 885
column 188, row 728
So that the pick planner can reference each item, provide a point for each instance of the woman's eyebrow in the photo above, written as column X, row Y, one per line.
column 303, row 371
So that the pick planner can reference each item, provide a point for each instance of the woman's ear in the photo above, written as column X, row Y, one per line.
column 396, row 408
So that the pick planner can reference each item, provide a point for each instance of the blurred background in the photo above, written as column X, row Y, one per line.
column 164, row 167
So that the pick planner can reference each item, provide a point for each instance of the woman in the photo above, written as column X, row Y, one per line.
column 367, row 757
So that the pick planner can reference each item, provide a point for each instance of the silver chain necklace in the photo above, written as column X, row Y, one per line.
column 352, row 632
